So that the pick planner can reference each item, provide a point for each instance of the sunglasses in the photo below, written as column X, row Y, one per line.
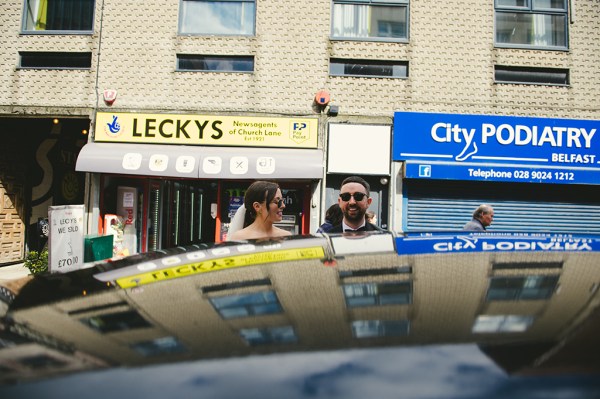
column 357, row 196
column 279, row 203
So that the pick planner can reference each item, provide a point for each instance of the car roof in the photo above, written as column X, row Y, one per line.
column 341, row 307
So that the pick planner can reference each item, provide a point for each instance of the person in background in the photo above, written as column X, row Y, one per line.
column 354, row 200
column 371, row 217
column 264, row 206
column 483, row 216
column 333, row 216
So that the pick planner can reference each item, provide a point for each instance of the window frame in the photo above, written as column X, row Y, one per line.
column 180, row 19
column 530, row 9
column 374, row 63
column 247, row 304
column 372, row 3
column 520, row 288
column 215, row 58
column 56, row 54
column 392, row 293
column 532, row 71
column 25, row 31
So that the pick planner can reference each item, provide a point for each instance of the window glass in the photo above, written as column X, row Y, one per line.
column 269, row 335
column 542, row 26
column 380, row 328
column 502, row 324
column 513, row 3
column 121, row 321
column 521, row 288
column 53, row 60
column 378, row 294
column 159, row 346
column 207, row 17
column 207, row 63
column 368, row 68
column 58, row 15
column 244, row 305
column 368, row 21
column 550, row 4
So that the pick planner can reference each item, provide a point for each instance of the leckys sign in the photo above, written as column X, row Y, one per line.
column 482, row 147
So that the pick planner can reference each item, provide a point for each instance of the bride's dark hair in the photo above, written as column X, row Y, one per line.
column 259, row 191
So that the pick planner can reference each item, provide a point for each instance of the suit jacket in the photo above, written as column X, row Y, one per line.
column 368, row 227
column 473, row 225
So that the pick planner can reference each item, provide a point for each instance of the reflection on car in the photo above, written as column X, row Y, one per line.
column 378, row 314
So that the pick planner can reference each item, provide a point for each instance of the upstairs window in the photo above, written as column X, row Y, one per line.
column 368, row 68
column 525, row 288
column 378, row 294
column 532, row 76
column 245, row 305
column 370, row 20
column 53, row 16
column 221, row 17
column 54, row 60
column 539, row 24
column 215, row 63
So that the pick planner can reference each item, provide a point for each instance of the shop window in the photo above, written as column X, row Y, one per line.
column 531, row 75
column 368, row 68
column 539, row 24
column 378, row 294
column 380, row 328
column 214, row 63
column 220, row 17
column 159, row 346
column 244, row 305
column 521, row 288
column 502, row 324
column 269, row 335
column 58, row 16
column 53, row 60
column 370, row 20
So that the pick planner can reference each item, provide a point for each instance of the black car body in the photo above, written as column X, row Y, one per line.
column 371, row 315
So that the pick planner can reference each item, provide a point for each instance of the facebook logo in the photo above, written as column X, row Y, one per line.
column 424, row 170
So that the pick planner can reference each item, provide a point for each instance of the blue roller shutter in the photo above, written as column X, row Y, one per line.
column 432, row 205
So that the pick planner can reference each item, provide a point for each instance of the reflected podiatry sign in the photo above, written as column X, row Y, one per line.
column 497, row 148
column 431, row 243
column 182, row 129
column 65, row 241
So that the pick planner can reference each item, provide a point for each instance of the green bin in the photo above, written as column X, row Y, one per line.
column 97, row 247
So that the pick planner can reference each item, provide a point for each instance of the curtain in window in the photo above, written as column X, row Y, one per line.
column 42, row 11
column 351, row 20
column 541, row 36
column 69, row 14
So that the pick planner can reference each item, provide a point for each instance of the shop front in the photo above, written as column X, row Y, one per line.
column 539, row 174
column 37, row 170
column 362, row 150
column 159, row 181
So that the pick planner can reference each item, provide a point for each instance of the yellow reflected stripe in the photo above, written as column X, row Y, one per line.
column 212, row 265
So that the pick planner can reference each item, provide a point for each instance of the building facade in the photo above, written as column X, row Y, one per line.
column 130, row 109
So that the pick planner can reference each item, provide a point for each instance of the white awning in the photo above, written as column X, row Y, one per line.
column 201, row 162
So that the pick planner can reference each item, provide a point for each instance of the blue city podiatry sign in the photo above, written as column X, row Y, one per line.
column 433, row 243
column 497, row 148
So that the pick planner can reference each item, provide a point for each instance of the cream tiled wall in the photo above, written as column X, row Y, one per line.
column 450, row 52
